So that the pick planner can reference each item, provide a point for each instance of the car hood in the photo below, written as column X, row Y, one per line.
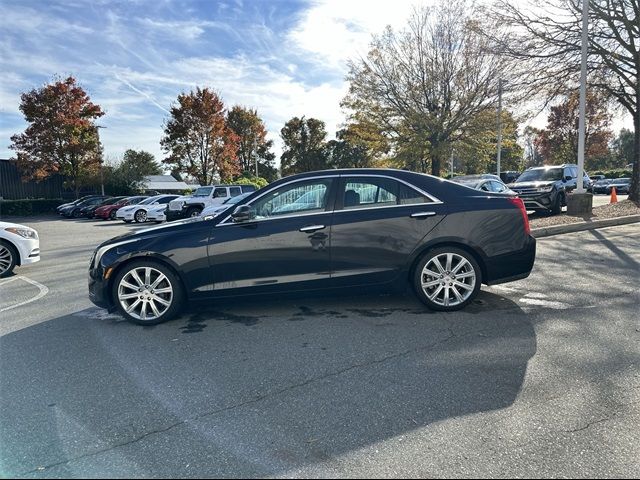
column 538, row 184
column 4, row 225
column 151, row 231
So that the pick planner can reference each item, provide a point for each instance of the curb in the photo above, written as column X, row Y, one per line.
column 580, row 226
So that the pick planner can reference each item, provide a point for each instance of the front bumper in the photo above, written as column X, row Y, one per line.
column 537, row 201
column 175, row 215
column 98, row 293
column 28, row 249
column 125, row 216
column 156, row 216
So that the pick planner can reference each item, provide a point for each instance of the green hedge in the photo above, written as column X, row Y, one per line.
column 25, row 208
column 617, row 173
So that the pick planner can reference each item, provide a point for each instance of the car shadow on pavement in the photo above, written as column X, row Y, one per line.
column 260, row 390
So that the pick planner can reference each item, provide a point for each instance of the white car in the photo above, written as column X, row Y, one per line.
column 138, row 212
column 215, row 210
column 19, row 245
column 157, row 213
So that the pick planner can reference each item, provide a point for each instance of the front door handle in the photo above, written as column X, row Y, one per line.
column 422, row 214
column 312, row 228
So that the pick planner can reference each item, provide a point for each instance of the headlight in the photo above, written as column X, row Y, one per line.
column 23, row 232
column 545, row 189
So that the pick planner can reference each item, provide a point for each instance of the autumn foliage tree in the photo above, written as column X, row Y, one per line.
column 253, row 145
column 558, row 142
column 198, row 140
column 304, row 142
column 62, row 137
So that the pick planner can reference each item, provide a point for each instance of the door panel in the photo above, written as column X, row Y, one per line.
column 287, row 245
column 371, row 242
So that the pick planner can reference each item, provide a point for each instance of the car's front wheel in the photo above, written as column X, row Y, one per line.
column 147, row 293
column 8, row 259
column 447, row 279
column 194, row 212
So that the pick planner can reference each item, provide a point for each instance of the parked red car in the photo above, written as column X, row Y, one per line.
column 108, row 212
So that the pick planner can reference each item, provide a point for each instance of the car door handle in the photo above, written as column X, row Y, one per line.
column 312, row 228
column 422, row 214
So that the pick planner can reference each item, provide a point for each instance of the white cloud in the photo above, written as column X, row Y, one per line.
column 335, row 31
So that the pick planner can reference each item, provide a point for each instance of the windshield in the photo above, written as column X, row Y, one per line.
column 149, row 200
column 203, row 192
column 541, row 175
column 236, row 199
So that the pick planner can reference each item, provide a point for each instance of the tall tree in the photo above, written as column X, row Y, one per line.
column 476, row 149
column 622, row 149
column 126, row 177
column 197, row 139
column 348, row 150
column 304, row 146
column 532, row 153
column 253, row 145
column 559, row 141
column 543, row 42
column 62, row 136
column 422, row 85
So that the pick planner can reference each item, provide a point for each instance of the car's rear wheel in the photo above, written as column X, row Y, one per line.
column 76, row 213
column 447, row 279
column 140, row 216
column 112, row 215
column 8, row 259
column 147, row 293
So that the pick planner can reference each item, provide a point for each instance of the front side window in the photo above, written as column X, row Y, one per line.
column 220, row 193
column 301, row 197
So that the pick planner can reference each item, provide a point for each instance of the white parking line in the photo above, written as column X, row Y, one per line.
column 43, row 291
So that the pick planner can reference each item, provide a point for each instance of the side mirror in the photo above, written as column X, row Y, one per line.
column 243, row 213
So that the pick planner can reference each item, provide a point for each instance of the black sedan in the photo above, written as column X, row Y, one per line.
column 322, row 230
column 600, row 186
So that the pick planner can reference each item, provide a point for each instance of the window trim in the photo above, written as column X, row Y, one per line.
column 332, row 198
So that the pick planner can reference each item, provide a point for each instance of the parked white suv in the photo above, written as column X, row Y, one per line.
column 204, row 197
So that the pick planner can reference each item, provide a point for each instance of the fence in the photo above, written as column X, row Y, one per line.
column 12, row 187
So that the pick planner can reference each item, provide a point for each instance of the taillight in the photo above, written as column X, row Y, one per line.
column 520, row 204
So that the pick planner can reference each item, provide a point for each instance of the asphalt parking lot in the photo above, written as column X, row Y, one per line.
column 538, row 378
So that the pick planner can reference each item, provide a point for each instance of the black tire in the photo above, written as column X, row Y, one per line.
column 140, row 216
column 194, row 211
column 177, row 300
column 6, row 249
column 556, row 209
column 471, row 266
column 76, row 213
column 112, row 215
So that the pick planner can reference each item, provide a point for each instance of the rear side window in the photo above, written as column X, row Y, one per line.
column 369, row 192
column 235, row 191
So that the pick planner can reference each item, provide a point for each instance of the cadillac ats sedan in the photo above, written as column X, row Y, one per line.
column 332, row 229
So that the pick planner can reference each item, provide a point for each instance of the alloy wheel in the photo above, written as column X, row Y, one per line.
column 145, row 293
column 6, row 259
column 141, row 216
column 448, row 279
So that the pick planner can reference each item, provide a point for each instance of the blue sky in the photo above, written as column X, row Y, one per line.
column 282, row 57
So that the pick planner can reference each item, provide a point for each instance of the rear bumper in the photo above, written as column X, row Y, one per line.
column 511, row 266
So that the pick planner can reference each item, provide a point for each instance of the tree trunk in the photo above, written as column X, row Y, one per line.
column 634, row 192
column 435, row 165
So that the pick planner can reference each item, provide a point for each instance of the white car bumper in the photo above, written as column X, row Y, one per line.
column 29, row 250
column 124, row 215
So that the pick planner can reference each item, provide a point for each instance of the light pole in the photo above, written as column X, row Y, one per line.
column 499, row 126
column 583, row 95
column 581, row 202
column 101, row 172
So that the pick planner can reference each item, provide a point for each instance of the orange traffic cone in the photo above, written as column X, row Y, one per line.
column 614, row 197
